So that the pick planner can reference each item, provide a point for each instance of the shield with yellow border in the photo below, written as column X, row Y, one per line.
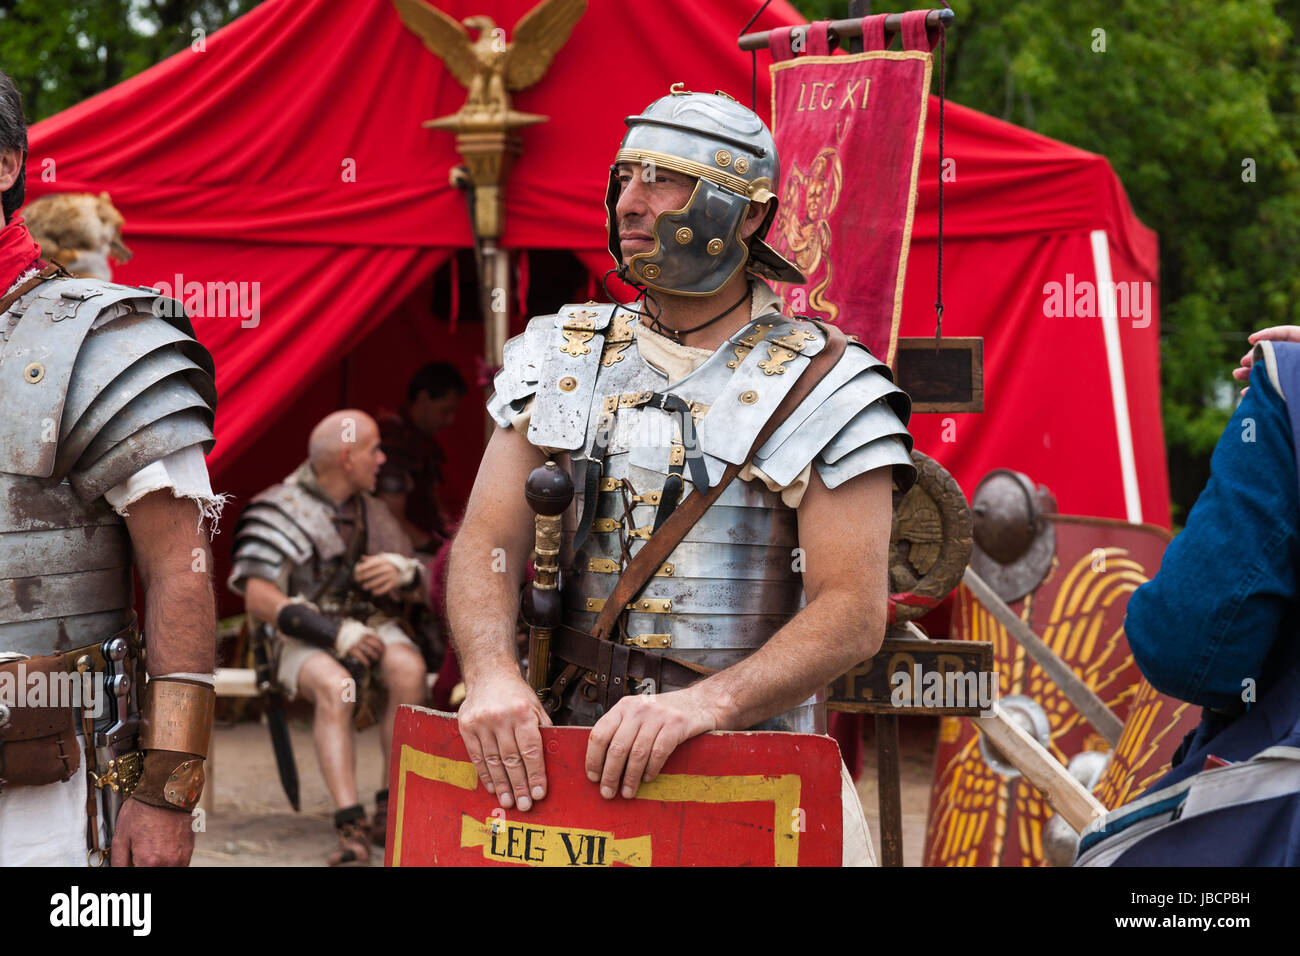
column 722, row 799
column 980, row 817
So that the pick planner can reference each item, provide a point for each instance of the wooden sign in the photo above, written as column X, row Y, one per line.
column 919, row 677
column 942, row 375
column 723, row 799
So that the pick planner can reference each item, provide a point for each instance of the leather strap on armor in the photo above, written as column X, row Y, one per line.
column 49, row 272
column 614, row 665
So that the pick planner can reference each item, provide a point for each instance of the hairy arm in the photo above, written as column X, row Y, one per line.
column 846, row 585
column 173, row 560
column 500, row 717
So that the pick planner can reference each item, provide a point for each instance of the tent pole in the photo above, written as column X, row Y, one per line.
column 495, row 284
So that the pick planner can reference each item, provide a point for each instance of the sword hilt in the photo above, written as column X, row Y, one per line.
column 548, row 491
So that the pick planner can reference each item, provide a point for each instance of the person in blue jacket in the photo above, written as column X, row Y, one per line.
column 1219, row 625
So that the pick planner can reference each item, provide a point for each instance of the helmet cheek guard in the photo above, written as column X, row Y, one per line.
column 698, row 248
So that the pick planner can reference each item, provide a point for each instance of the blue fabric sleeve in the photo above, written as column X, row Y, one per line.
column 1227, row 584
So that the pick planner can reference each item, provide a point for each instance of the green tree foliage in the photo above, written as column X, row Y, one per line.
column 1190, row 100
column 59, row 52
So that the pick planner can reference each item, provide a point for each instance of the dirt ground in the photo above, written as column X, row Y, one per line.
column 249, row 821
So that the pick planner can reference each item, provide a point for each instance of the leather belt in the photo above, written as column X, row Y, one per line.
column 615, row 665
column 96, row 653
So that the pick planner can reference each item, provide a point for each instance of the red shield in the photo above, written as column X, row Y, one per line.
column 722, row 799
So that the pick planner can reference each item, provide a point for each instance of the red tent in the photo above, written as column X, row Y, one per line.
column 287, row 157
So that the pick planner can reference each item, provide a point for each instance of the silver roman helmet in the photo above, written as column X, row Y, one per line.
column 731, row 153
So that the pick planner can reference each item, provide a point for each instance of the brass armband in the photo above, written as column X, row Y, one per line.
column 176, row 715
column 176, row 728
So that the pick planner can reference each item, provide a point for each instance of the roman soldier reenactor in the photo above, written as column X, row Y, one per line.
column 779, row 582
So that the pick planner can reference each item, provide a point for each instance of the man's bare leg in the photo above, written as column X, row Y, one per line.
column 322, row 681
column 403, row 672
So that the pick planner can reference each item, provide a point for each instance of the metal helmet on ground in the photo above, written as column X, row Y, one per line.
column 1014, row 543
column 731, row 153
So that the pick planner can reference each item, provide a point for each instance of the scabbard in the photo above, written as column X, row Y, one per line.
column 541, row 605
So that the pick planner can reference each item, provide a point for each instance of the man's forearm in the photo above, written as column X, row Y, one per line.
column 483, row 604
column 822, row 641
column 180, row 623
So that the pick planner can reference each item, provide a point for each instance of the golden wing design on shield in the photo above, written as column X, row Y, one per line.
column 985, row 818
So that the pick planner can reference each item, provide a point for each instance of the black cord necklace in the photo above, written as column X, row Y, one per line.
column 655, row 324
column 676, row 334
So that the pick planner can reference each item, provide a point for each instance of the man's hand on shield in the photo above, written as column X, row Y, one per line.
column 500, row 722
column 629, row 745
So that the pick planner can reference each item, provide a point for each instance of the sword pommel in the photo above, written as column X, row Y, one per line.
column 548, row 490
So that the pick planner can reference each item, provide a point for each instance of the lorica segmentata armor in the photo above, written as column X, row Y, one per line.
column 735, row 578
column 96, row 382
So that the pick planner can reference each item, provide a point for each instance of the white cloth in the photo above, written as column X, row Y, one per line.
column 46, row 826
column 292, row 653
column 857, row 849
column 185, row 472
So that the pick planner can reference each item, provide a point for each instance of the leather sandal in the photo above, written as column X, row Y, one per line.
column 354, row 842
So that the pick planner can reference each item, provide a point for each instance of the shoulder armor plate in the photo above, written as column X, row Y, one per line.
column 305, row 514
column 568, row 363
column 95, row 363
column 772, row 354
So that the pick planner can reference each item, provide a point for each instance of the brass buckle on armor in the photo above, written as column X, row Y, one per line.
column 610, row 566
column 123, row 774
column 778, row 357
column 610, row 525
column 617, row 339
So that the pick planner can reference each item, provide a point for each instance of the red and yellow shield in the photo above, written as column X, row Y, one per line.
column 723, row 799
column 979, row 817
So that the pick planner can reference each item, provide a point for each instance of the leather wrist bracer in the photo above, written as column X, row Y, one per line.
column 175, row 731
column 301, row 620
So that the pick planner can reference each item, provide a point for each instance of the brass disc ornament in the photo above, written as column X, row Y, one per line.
column 930, row 543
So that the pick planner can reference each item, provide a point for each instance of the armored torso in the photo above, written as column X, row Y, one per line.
column 734, row 580
column 94, row 386
column 295, row 537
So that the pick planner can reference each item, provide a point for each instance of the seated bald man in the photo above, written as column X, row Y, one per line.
column 325, row 561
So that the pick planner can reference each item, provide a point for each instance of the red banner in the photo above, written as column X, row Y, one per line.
column 849, row 131
column 723, row 799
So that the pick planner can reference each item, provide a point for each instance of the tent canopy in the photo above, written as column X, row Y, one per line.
column 288, row 157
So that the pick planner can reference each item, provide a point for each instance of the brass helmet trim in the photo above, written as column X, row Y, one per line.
column 760, row 190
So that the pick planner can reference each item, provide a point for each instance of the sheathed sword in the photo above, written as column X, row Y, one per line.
column 548, row 491
column 275, row 719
